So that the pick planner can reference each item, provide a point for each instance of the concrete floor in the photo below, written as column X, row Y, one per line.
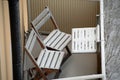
column 79, row 64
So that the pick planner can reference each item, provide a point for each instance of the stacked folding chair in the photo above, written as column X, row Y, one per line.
column 50, row 50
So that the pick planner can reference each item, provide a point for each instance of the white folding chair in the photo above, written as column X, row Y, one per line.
column 56, row 40
column 84, row 40
column 47, row 61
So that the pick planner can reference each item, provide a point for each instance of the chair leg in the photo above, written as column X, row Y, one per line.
column 68, row 50
column 48, row 71
column 68, row 54
column 35, row 75
column 31, row 72
column 38, row 76
column 57, row 73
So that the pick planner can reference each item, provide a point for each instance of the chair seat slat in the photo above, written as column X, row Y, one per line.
column 54, row 60
column 44, row 60
column 66, row 42
column 50, row 36
column 49, row 60
column 61, row 42
column 53, row 38
column 59, row 60
column 57, row 40
column 41, row 55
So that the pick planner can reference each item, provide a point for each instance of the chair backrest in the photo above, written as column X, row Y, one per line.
column 56, row 40
column 42, row 18
column 84, row 40
column 33, row 46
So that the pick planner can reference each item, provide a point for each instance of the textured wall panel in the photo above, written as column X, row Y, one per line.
column 68, row 13
column 112, row 36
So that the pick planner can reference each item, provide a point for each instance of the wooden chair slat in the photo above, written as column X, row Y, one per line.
column 30, row 38
column 50, row 59
column 44, row 60
column 50, row 36
column 59, row 60
column 39, row 17
column 62, row 42
column 40, row 24
column 32, row 43
column 56, row 41
column 40, row 57
column 65, row 43
column 54, row 60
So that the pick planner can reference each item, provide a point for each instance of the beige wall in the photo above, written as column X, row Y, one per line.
column 68, row 13
column 23, row 23
column 5, row 38
column 5, row 42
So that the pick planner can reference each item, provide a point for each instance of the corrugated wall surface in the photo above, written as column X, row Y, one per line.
column 68, row 13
